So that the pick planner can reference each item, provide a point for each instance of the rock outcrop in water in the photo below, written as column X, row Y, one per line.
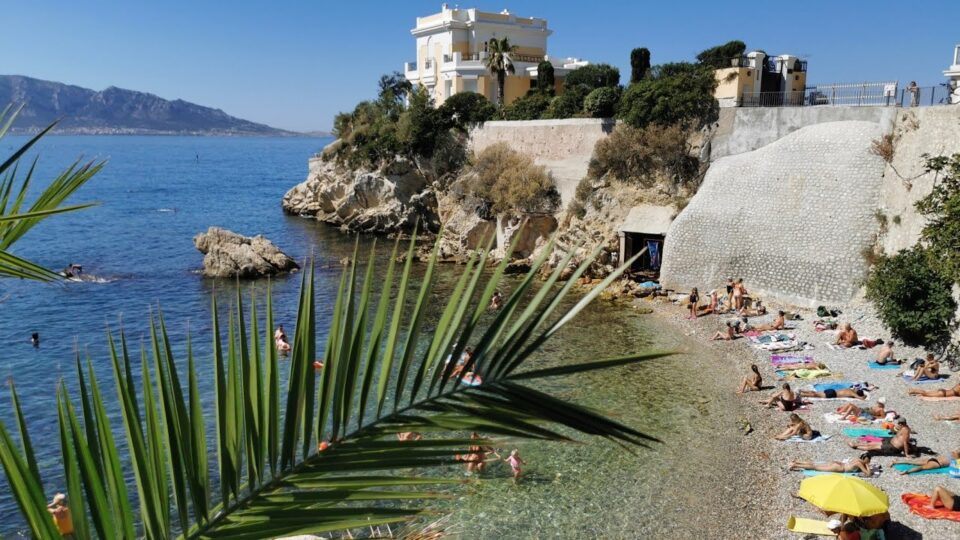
column 228, row 254
column 388, row 199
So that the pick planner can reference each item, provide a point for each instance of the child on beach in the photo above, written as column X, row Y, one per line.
column 693, row 303
column 515, row 462
column 751, row 383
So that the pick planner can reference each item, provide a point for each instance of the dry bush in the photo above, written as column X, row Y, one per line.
column 883, row 147
column 510, row 181
column 645, row 155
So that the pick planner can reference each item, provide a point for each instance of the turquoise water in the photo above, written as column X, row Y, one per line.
column 156, row 193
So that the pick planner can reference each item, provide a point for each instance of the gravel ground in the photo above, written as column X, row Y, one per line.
column 757, row 489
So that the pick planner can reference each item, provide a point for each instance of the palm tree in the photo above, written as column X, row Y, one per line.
column 499, row 62
column 16, row 218
column 328, row 459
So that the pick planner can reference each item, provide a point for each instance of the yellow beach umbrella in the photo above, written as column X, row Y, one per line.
column 844, row 494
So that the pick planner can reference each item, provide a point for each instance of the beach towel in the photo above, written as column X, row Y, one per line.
column 836, row 418
column 751, row 334
column 820, row 473
column 782, row 359
column 908, row 379
column 869, row 438
column 874, row 365
column 836, row 347
column 808, row 526
column 907, row 467
column 867, row 431
column 950, row 398
column 920, row 505
column 653, row 250
column 772, row 338
column 808, row 373
column 798, row 439
column 838, row 385
column 840, row 399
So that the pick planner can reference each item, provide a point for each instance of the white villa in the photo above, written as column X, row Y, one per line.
column 451, row 49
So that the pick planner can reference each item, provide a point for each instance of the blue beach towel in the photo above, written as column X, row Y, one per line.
column 910, row 379
column 874, row 365
column 818, row 473
column 823, row 387
column 866, row 432
column 906, row 467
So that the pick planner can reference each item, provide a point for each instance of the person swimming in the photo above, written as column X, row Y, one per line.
column 859, row 465
column 280, row 340
column 35, row 339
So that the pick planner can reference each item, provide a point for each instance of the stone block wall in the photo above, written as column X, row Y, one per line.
column 792, row 218
column 564, row 147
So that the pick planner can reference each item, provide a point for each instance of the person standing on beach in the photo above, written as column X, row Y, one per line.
column 693, row 303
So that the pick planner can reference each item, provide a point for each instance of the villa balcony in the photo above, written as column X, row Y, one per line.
column 473, row 62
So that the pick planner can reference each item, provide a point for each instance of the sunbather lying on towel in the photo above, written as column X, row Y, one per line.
column 830, row 393
column 899, row 443
column 797, row 428
column 877, row 411
column 800, row 365
column 885, row 354
column 847, row 336
column 785, row 399
column 778, row 324
column 949, row 499
column 952, row 417
column 927, row 463
column 860, row 464
column 940, row 392
column 752, row 382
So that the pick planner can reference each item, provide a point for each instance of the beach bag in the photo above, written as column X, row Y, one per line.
column 916, row 363
column 954, row 470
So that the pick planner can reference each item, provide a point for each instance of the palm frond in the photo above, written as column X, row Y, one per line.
column 385, row 373
column 16, row 217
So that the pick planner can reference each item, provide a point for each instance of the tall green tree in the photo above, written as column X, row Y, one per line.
column 720, row 56
column 639, row 64
column 18, row 216
column 499, row 63
column 546, row 82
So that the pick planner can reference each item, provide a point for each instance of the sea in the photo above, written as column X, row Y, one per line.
column 155, row 194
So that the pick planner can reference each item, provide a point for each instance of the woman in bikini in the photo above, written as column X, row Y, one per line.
column 940, row 392
column 693, row 303
column 753, row 382
column 849, row 465
column 785, row 399
column 928, row 463
column 738, row 293
column 830, row 393
column 799, row 428
column 877, row 411
column 729, row 335
column 949, row 499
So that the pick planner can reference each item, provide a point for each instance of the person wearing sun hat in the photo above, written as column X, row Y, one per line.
column 61, row 515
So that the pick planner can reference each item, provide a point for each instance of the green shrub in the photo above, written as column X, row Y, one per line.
column 720, row 56
column 545, row 78
column 680, row 93
column 912, row 298
column 644, row 155
column 464, row 110
column 602, row 102
column 566, row 105
column 941, row 207
column 529, row 107
column 593, row 76
column 511, row 182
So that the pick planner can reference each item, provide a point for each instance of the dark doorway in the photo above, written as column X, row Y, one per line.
column 651, row 260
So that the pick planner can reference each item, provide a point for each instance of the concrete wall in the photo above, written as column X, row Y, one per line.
column 792, row 218
column 917, row 131
column 744, row 129
column 564, row 147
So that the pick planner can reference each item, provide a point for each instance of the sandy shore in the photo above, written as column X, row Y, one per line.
column 757, row 489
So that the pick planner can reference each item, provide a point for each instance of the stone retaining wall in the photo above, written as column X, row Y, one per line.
column 564, row 147
column 792, row 218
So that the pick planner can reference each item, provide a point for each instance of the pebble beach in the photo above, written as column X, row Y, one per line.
column 760, row 497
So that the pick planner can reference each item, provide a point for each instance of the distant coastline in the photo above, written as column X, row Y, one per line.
column 159, row 133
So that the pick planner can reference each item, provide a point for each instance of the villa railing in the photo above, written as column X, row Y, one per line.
column 533, row 59
column 855, row 95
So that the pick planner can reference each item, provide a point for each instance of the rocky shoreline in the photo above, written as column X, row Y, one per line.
column 750, row 490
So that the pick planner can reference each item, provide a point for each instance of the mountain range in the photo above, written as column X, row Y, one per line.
column 116, row 111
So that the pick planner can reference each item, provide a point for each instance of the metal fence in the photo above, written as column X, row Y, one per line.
column 856, row 95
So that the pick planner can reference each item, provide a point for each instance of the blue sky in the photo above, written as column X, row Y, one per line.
column 295, row 63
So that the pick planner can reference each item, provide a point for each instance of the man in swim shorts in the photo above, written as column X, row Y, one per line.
column 830, row 393
column 899, row 443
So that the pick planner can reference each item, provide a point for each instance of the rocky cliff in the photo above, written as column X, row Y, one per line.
column 115, row 111
column 392, row 198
